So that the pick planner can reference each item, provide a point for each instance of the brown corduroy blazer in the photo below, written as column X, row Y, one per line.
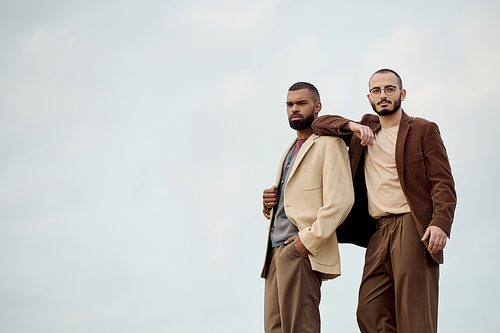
column 423, row 169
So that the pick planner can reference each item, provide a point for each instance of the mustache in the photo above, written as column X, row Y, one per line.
column 296, row 114
column 384, row 100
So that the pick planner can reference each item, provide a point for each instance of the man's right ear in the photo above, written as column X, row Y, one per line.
column 317, row 107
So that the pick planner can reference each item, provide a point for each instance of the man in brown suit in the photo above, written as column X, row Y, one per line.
column 403, row 211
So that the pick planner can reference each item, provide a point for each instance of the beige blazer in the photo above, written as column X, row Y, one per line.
column 317, row 198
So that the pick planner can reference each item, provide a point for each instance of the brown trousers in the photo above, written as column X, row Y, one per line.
column 292, row 293
column 399, row 288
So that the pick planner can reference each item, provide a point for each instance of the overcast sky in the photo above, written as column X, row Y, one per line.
column 136, row 138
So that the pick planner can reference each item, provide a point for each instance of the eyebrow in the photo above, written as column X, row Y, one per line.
column 300, row 101
column 390, row 85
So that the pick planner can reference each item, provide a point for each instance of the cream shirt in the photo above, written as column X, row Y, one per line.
column 385, row 195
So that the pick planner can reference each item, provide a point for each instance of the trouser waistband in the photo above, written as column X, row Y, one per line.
column 388, row 219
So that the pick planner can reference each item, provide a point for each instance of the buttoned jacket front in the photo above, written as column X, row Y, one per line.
column 317, row 198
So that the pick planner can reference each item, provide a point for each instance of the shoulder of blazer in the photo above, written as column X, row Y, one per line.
column 369, row 119
column 419, row 125
column 324, row 139
column 315, row 136
column 405, row 118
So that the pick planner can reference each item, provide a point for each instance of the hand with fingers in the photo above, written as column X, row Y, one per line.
column 270, row 197
column 365, row 133
column 301, row 249
column 437, row 238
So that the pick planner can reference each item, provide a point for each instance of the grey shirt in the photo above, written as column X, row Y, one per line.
column 281, row 227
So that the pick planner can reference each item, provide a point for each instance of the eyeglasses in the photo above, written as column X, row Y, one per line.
column 389, row 91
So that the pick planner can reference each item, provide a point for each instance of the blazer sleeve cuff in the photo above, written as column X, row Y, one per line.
column 266, row 211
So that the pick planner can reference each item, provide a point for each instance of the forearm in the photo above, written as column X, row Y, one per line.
column 348, row 127
column 330, row 125
column 328, row 219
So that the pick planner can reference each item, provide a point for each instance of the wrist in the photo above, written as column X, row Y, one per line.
column 348, row 126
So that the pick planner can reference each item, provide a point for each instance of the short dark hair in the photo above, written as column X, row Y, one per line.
column 305, row 85
column 386, row 70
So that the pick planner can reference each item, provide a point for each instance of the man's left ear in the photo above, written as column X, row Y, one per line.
column 403, row 94
column 317, row 107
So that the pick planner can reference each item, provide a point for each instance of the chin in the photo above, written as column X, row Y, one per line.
column 385, row 112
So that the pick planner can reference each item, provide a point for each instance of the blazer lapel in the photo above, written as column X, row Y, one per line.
column 302, row 152
column 404, row 128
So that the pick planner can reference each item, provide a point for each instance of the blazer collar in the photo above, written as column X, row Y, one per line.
column 405, row 121
column 404, row 128
column 302, row 152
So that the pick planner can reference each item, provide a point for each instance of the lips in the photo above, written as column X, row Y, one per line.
column 295, row 117
column 383, row 103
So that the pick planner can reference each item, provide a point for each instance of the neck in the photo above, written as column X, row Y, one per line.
column 391, row 120
column 305, row 133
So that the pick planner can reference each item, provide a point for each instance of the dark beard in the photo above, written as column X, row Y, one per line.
column 386, row 111
column 302, row 124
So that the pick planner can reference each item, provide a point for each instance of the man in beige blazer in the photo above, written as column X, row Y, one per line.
column 313, row 195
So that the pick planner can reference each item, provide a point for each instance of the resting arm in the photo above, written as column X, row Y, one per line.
column 442, row 191
column 361, row 131
column 338, row 197
column 343, row 128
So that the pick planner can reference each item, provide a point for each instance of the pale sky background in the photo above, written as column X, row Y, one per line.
column 136, row 138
